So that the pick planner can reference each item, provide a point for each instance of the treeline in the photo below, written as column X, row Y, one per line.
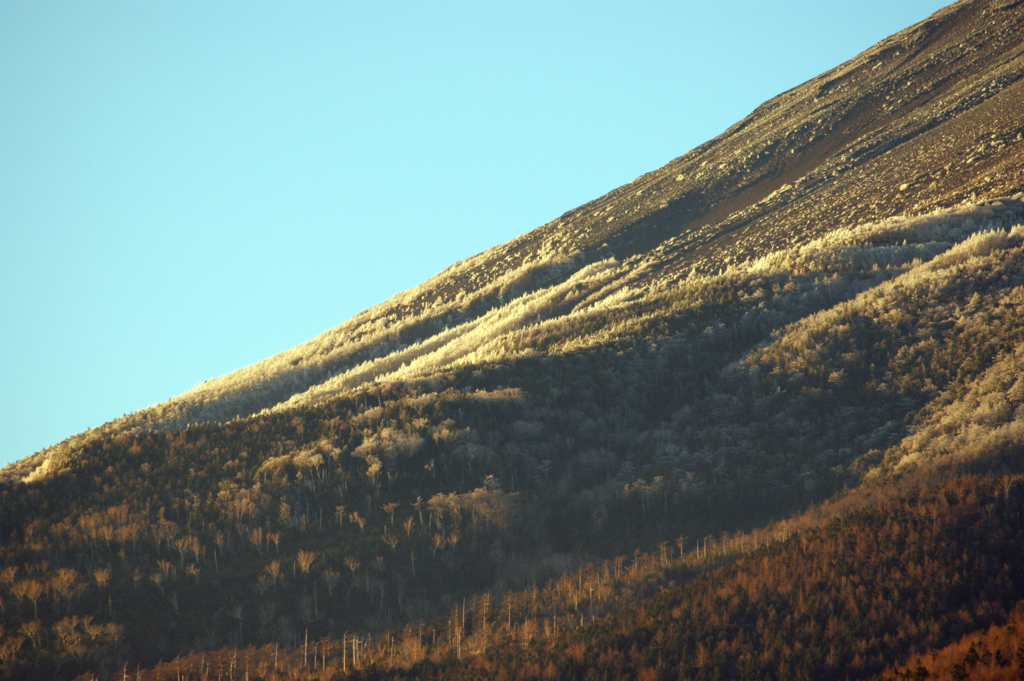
column 879, row 585
column 691, row 412
column 328, row 532
column 927, row 581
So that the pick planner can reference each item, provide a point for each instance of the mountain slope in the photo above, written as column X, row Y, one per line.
column 927, row 118
column 827, row 297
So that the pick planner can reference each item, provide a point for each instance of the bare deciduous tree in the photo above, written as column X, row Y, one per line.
column 304, row 559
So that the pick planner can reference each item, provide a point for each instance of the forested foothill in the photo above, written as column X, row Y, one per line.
column 758, row 414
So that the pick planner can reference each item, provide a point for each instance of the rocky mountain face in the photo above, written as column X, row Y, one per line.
column 823, row 303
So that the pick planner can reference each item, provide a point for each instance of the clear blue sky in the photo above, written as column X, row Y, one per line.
column 189, row 187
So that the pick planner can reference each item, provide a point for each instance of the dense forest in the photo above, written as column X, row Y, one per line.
column 759, row 414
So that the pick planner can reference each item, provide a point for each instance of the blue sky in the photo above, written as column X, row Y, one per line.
column 189, row 187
